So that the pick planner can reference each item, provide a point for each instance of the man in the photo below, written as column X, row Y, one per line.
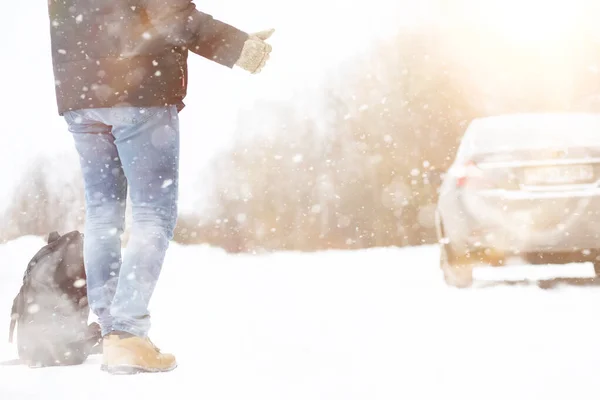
column 120, row 70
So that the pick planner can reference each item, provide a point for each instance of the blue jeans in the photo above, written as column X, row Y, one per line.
column 119, row 148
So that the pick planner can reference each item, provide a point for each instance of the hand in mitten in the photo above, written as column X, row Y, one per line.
column 256, row 52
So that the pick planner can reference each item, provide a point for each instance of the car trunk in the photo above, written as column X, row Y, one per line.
column 538, row 169
column 535, row 190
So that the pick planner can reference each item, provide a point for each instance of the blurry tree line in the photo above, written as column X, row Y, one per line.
column 366, row 172
column 49, row 196
column 366, row 169
column 363, row 173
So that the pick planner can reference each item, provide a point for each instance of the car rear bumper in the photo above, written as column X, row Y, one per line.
column 517, row 222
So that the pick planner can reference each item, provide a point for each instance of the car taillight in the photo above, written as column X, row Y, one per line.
column 468, row 174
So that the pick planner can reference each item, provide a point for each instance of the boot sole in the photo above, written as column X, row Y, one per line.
column 132, row 369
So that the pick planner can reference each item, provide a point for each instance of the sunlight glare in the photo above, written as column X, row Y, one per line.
column 531, row 21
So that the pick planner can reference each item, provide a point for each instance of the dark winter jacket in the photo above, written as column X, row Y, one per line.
column 109, row 53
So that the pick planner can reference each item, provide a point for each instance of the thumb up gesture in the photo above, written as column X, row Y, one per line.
column 256, row 52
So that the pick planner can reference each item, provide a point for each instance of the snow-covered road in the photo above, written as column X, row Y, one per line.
column 373, row 324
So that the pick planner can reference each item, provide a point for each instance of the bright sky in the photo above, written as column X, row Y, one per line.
column 537, row 22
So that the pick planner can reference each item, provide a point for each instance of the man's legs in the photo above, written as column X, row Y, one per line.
column 148, row 145
column 139, row 146
column 105, row 196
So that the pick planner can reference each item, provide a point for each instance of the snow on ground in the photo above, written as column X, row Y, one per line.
column 372, row 324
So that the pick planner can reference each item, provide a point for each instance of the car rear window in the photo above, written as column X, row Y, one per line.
column 531, row 132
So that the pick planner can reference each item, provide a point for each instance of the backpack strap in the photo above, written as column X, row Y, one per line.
column 14, row 316
column 53, row 237
column 94, row 339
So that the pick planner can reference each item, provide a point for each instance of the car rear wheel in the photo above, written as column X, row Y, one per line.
column 457, row 273
column 536, row 258
column 597, row 269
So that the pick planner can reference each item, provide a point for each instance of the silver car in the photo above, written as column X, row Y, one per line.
column 525, row 185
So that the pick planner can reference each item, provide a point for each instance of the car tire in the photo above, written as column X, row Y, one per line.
column 540, row 258
column 597, row 269
column 458, row 274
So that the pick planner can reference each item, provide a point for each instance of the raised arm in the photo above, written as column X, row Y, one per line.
column 180, row 23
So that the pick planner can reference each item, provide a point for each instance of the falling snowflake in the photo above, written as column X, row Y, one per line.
column 79, row 283
column 33, row 308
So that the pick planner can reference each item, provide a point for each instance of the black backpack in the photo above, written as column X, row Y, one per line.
column 51, row 310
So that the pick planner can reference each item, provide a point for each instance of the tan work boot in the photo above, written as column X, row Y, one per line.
column 133, row 355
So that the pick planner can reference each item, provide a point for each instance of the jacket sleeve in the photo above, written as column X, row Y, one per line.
column 181, row 24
